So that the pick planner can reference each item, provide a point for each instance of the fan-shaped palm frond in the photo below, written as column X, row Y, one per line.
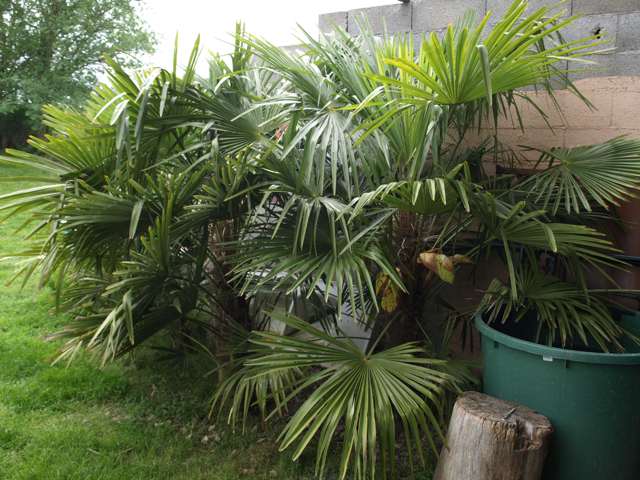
column 429, row 196
column 563, row 312
column 578, row 178
column 512, row 227
column 366, row 393
column 249, row 387
column 465, row 65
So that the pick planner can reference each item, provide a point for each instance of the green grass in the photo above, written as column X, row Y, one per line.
column 142, row 418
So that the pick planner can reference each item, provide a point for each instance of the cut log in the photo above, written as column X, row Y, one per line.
column 490, row 439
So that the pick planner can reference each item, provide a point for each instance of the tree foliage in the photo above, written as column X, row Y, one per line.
column 51, row 52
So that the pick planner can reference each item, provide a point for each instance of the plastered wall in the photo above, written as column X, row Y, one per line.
column 615, row 111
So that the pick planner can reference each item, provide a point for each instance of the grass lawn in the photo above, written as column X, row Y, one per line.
column 138, row 419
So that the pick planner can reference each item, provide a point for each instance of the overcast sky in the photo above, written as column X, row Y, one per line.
column 274, row 20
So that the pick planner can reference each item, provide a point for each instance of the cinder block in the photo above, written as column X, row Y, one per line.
column 430, row 15
column 498, row 7
column 628, row 37
column 614, row 64
column 603, row 66
column 619, row 83
column 626, row 63
column 626, row 106
column 327, row 22
column 578, row 115
column 604, row 26
column 542, row 138
column 626, row 132
column 608, row 86
column 589, row 7
column 393, row 18
column 576, row 137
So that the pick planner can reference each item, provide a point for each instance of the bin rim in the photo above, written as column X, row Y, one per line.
column 554, row 352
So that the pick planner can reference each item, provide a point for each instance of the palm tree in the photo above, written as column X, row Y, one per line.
column 337, row 183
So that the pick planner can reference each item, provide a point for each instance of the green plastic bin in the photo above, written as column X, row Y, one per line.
column 592, row 400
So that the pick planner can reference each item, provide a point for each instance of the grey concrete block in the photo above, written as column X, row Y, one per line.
column 605, row 26
column 393, row 18
column 607, row 62
column 589, row 7
column 604, row 62
column 628, row 32
column 605, row 65
column 498, row 7
column 327, row 22
column 626, row 63
column 430, row 15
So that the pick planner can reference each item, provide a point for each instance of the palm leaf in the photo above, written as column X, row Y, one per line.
column 564, row 312
column 367, row 393
column 577, row 179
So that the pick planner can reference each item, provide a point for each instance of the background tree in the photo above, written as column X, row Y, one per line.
column 51, row 52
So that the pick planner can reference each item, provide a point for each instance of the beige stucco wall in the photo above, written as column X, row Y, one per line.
column 616, row 102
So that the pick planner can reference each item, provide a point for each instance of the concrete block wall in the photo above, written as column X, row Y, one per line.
column 613, row 86
column 615, row 112
column 617, row 20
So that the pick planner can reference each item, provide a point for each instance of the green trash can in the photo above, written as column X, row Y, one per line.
column 592, row 400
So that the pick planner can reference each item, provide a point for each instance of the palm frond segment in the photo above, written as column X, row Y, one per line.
column 577, row 179
column 365, row 393
column 465, row 65
column 566, row 315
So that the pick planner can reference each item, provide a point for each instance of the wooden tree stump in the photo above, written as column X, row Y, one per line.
column 490, row 439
